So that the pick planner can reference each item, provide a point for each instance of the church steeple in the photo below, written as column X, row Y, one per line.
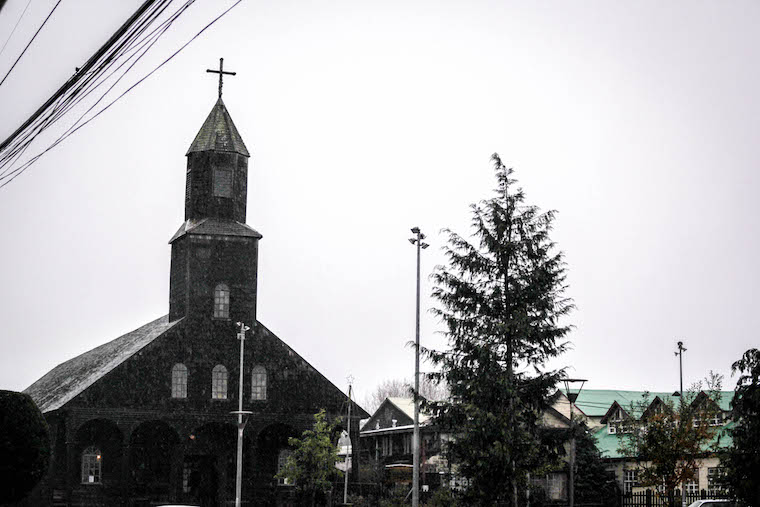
column 214, row 253
column 217, row 169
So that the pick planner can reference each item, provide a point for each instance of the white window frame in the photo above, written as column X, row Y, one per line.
column 259, row 383
column 92, row 466
column 179, row 381
column 713, row 474
column 222, row 301
column 691, row 486
column 219, row 382
column 630, row 480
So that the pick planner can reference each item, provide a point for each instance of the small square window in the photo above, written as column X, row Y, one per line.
column 222, row 183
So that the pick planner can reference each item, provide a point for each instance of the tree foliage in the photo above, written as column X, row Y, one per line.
column 669, row 437
column 501, row 300
column 403, row 388
column 311, row 464
column 24, row 445
column 593, row 482
column 742, row 461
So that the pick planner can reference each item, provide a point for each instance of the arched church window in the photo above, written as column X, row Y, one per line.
column 179, row 381
column 219, row 382
column 259, row 383
column 91, row 466
column 222, row 301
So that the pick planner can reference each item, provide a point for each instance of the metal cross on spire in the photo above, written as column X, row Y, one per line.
column 221, row 73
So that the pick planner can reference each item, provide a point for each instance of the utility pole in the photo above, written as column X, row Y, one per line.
column 571, row 398
column 416, row 438
column 349, row 454
column 679, row 353
column 241, row 424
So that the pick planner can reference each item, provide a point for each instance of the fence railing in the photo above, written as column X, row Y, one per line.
column 673, row 499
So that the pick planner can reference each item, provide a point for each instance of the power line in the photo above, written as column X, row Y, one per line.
column 15, row 26
column 30, row 42
column 11, row 175
column 63, row 100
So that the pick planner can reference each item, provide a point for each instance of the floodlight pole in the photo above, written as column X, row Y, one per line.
column 571, row 397
column 348, row 454
column 241, row 423
column 417, row 240
column 679, row 353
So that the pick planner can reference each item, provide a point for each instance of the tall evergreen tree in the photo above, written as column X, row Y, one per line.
column 501, row 299
column 742, row 461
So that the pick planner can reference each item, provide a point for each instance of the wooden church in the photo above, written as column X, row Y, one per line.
column 145, row 419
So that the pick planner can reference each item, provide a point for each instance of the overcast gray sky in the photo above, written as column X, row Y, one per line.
column 637, row 121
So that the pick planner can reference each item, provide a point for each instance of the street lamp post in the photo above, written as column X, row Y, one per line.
column 241, row 424
column 417, row 240
column 679, row 353
column 572, row 397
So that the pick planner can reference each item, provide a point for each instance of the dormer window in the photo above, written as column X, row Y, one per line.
column 222, row 301
column 222, row 183
column 613, row 423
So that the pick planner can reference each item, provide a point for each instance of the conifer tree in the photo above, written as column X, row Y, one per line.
column 742, row 461
column 501, row 300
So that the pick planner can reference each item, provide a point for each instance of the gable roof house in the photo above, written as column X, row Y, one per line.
column 146, row 418
column 609, row 414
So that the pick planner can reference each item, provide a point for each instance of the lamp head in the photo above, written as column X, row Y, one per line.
column 416, row 230
column 412, row 240
column 424, row 245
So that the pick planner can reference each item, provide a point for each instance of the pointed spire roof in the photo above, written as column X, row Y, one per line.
column 218, row 133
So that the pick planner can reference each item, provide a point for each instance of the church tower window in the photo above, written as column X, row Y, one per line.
column 179, row 381
column 219, row 382
column 91, row 466
column 222, row 301
column 222, row 182
column 259, row 383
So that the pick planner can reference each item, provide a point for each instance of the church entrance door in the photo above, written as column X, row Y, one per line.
column 203, row 480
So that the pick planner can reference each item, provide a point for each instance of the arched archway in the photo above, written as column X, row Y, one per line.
column 208, row 469
column 269, row 442
column 97, row 453
column 152, row 448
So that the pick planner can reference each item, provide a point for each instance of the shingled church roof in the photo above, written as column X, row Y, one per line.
column 213, row 227
column 69, row 379
column 218, row 133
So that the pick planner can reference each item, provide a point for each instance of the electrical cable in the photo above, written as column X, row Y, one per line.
column 68, row 100
column 18, row 171
column 30, row 42
column 14, row 27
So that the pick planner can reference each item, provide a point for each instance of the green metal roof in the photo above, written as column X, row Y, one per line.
column 609, row 444
column 596, row 402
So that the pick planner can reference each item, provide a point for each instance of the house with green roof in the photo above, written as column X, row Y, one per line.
column 608, row 415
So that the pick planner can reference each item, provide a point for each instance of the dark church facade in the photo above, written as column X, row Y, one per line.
column 146, row 419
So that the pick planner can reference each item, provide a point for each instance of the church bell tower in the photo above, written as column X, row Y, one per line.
column 214, row 253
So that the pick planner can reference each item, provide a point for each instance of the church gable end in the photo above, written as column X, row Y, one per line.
column 148, row 418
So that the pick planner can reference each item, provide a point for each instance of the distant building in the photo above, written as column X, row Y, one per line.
column 386, row 443
column 608, row 413
column 146, row 418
